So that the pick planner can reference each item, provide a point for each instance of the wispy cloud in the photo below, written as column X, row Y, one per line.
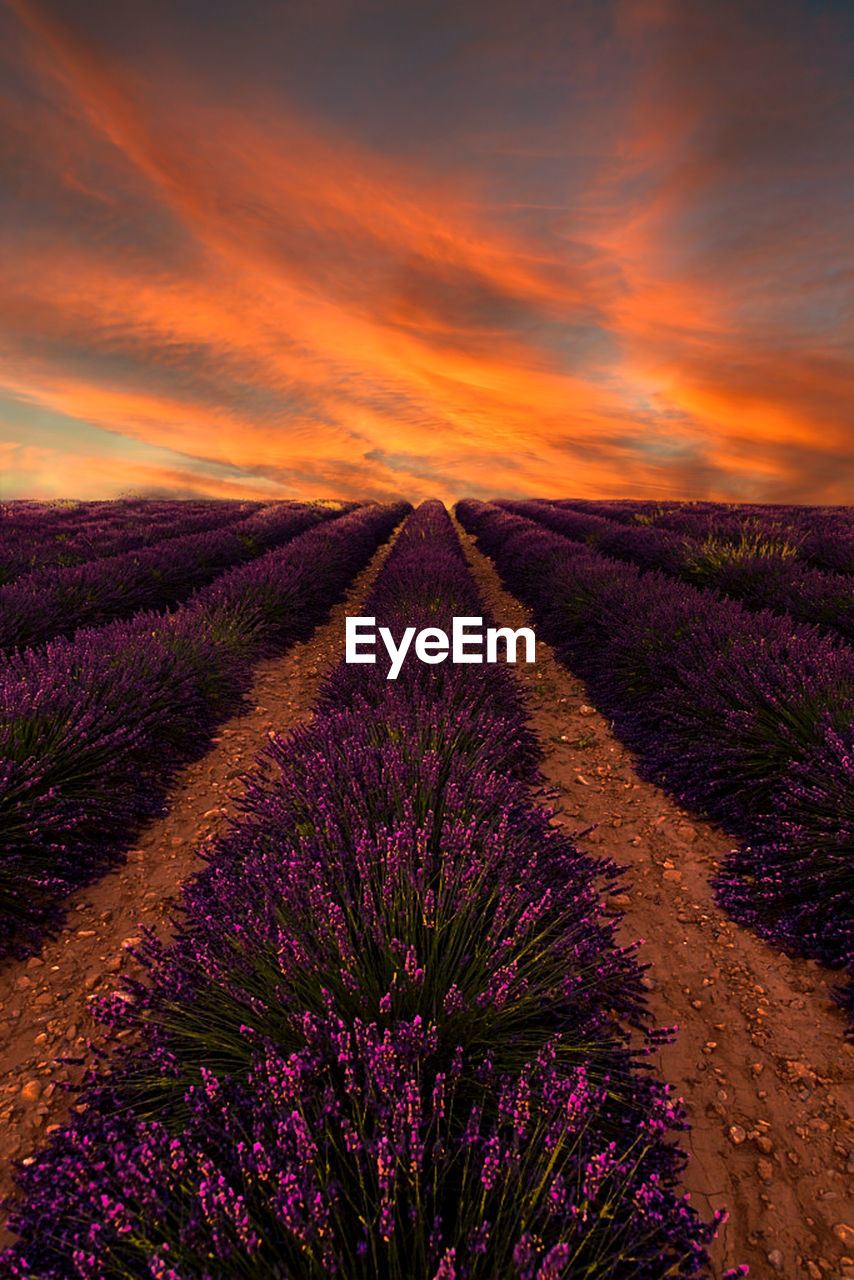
column 623, row 282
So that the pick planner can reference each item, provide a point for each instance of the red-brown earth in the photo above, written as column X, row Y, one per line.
column 759, row 1059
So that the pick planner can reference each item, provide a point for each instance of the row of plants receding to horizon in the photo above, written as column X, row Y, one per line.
column 822, row 537
column 39, row 535
column 759, row 566
column 57, row 601
column 393, row 1035
column 747, row 717
column 92, row 727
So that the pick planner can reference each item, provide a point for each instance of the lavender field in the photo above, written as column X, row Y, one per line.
column 398, row 1019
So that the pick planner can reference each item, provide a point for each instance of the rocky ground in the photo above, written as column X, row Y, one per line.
column 759, row 1058
column 45, row 999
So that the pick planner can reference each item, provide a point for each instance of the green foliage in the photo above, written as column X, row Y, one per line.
column 717, row 551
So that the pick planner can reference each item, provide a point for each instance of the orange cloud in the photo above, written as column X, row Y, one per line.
column 52, row 473
column 324, row 312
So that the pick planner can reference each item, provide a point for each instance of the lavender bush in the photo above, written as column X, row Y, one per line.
column 36, row 536
column 91, row 728
column 803, row 858
column 822, row 537
column 55, row 602
column 392, row 1036
column 734, row 713
column 756, row 564
column 365, row 1153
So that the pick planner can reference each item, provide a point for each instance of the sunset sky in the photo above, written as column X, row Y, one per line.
column 400, row 248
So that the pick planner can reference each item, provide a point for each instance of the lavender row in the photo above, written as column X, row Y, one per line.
column 391, row 1035
column 697, row 519
column 56, row 602
column 92, row 728
column 761, row 572
column 37, row 536
column 747, row 717
column 821, row 537
column 82, row 531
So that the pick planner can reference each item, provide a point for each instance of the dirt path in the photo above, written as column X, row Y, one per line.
column 44, row 1000
column 759, row 1059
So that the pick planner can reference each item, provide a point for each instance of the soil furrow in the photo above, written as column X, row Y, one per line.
column 45, row 999
column 759, row 1060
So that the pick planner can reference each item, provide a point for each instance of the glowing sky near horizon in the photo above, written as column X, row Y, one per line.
column 365, row 248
